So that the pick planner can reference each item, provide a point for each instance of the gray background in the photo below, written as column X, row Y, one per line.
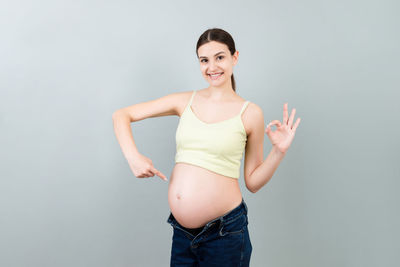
column 67, row 195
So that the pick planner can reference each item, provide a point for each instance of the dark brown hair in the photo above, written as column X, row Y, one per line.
column 218, row 35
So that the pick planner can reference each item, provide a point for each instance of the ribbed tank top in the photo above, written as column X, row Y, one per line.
column 217, row 146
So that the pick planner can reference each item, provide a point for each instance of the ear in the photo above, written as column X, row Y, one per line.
column 235, row 57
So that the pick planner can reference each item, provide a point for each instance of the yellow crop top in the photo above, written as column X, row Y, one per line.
column 217, row 147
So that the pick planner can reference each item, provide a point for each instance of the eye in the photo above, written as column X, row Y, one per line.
column 205, row 60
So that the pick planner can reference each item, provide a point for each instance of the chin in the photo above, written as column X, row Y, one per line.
column 217, row 82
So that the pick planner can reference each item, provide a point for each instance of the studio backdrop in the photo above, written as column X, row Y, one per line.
column 67, row 195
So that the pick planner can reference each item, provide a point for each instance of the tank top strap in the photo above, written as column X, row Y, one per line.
column 244, row 107
column 191, row 98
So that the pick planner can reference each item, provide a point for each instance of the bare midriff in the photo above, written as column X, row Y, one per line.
column 197, row 195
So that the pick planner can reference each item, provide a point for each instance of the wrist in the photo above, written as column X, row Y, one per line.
column 133, row 156
column 278, row 151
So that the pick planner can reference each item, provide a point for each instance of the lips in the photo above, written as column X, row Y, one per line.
column 215, row 76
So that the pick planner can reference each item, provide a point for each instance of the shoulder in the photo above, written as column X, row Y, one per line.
column 169, row 104
column 182, row 99
column 179, row 97
column 253, row 117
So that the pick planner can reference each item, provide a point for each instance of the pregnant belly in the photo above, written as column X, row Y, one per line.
column 197, row 195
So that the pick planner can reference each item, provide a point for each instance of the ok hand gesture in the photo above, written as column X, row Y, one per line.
column 284, row 134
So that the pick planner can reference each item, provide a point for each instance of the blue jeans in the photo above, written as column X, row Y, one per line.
column 224, row 241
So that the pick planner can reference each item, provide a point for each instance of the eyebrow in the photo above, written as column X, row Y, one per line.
column 214, row 55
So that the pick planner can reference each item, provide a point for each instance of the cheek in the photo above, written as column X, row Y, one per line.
column 227, row 66
column 228, row 69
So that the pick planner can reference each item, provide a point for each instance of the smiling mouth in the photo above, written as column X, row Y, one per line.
column 215, row 76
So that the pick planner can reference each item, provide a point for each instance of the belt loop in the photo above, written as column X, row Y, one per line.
column 221, row 225
column 245, row 206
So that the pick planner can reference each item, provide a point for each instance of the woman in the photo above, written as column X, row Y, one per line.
column 208, row 213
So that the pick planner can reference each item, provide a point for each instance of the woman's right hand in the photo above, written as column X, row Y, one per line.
column 142, row 167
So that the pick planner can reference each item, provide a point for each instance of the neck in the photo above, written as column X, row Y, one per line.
column 220, row 92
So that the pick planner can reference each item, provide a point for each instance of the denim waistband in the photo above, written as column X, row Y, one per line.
column 231, row 215
column 227, row 217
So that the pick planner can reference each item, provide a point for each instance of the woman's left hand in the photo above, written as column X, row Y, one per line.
column 284, row 134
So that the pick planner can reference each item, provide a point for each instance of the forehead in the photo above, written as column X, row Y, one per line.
column 210, row 48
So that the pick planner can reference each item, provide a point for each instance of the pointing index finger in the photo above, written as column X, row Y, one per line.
column 160, row 174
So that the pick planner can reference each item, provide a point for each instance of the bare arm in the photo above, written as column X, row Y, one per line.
column 264, row 172
column 123, row 133
column 140, row 165
column 257, row 171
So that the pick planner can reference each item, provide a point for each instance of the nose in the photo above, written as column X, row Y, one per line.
column 213, row 66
